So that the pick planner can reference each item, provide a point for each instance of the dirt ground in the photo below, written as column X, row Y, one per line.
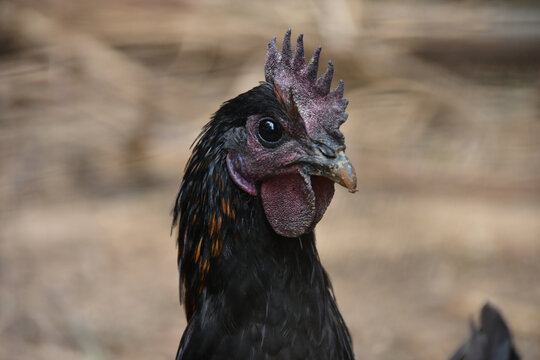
column 100, row 101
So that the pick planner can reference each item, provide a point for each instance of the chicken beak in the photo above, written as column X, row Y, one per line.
column 337, row 168
column 340, row 170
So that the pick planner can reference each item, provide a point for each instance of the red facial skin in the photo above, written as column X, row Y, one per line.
column 293, row 200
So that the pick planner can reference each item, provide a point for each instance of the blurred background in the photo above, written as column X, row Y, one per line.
column 100, row 101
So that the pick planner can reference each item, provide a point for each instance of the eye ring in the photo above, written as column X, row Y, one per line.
column 269, row 132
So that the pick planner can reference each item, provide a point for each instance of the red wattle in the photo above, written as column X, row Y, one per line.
column 293, row 205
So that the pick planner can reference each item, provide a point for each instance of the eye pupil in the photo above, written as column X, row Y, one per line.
column 270, row 130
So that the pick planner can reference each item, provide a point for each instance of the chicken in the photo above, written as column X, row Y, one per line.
column 260, row 178
column 491, row 342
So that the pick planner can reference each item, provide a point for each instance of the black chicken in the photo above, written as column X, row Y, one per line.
column 492, row 341
column 260, row 178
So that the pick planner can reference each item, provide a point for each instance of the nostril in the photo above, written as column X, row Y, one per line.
column 326, row 150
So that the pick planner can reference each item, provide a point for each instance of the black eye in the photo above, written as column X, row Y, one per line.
column 270, row 131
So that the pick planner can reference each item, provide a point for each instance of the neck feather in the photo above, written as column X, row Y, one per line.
column 235, row 267
column 223, row 231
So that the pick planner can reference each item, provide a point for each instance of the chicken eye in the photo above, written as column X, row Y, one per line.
column 270, row 131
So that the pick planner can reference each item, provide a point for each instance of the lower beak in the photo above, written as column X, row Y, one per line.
column 338, row 169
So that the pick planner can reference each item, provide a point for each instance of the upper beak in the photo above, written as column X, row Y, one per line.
column 339, row 169
column 336, row 167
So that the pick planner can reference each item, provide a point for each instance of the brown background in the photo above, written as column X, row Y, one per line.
column 100, row 100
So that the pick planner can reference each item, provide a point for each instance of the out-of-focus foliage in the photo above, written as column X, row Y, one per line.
column 100, row 101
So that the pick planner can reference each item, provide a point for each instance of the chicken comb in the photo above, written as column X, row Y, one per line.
column 317, row 104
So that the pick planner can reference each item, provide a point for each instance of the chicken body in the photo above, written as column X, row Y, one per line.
column 249, row 292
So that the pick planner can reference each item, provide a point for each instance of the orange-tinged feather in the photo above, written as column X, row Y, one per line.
column 218, row 225
column 198, row 252
column 224, row 206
